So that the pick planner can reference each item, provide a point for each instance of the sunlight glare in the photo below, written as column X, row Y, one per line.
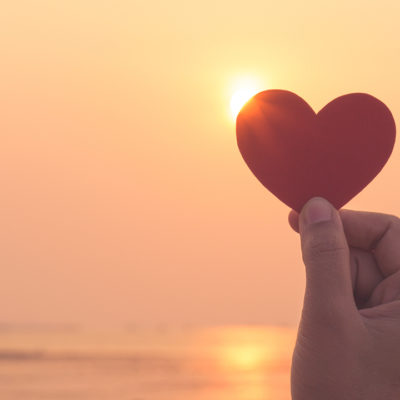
column 243, row 93
column 245, row 357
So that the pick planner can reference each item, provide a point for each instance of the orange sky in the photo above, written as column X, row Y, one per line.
column 124, row 196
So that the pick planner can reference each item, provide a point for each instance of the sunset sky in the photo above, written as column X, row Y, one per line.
column 125, row 199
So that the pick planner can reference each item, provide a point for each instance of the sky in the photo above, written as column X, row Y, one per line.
column 124, row 198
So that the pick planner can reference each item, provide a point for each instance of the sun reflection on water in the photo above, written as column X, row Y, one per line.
column 253, row 361
column 243, row 357
column 220, row 363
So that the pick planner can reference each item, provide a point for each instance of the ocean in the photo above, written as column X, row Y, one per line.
column 214, row 363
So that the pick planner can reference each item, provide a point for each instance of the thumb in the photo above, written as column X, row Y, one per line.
column 326, row 256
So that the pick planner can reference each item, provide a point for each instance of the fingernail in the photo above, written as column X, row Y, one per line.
column 318, row 210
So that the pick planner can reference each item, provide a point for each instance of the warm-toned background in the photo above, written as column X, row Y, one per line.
column 124, row 199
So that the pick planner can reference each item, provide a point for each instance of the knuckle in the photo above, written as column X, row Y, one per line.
column 393, row 224
column 323, row 243
column 316, row 247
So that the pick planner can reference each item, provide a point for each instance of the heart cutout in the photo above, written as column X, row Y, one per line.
column 298, row 154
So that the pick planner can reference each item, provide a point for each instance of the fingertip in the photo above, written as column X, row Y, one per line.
column 293, row 219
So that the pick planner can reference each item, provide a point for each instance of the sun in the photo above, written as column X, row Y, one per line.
column 243, row 92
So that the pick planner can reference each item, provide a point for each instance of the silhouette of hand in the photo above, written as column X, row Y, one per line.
column 348, row 342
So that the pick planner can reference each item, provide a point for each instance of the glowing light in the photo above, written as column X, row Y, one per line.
column 243, row 93
column 245, row 357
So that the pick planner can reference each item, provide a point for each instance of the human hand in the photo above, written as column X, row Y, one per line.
column 348, row 342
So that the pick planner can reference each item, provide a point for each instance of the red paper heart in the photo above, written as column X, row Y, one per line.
column 297, row 154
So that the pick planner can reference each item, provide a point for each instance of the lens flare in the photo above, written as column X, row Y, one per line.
column 243, row 93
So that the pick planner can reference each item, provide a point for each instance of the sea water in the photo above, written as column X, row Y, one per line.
column 215, row 363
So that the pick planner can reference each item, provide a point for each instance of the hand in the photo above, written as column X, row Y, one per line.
column 348, row 342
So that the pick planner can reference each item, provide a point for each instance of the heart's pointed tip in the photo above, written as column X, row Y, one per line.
column 297, row 206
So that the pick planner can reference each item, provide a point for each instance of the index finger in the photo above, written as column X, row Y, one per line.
column 375, row 232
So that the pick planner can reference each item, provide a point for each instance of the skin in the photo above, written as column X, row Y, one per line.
column 348, row 342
